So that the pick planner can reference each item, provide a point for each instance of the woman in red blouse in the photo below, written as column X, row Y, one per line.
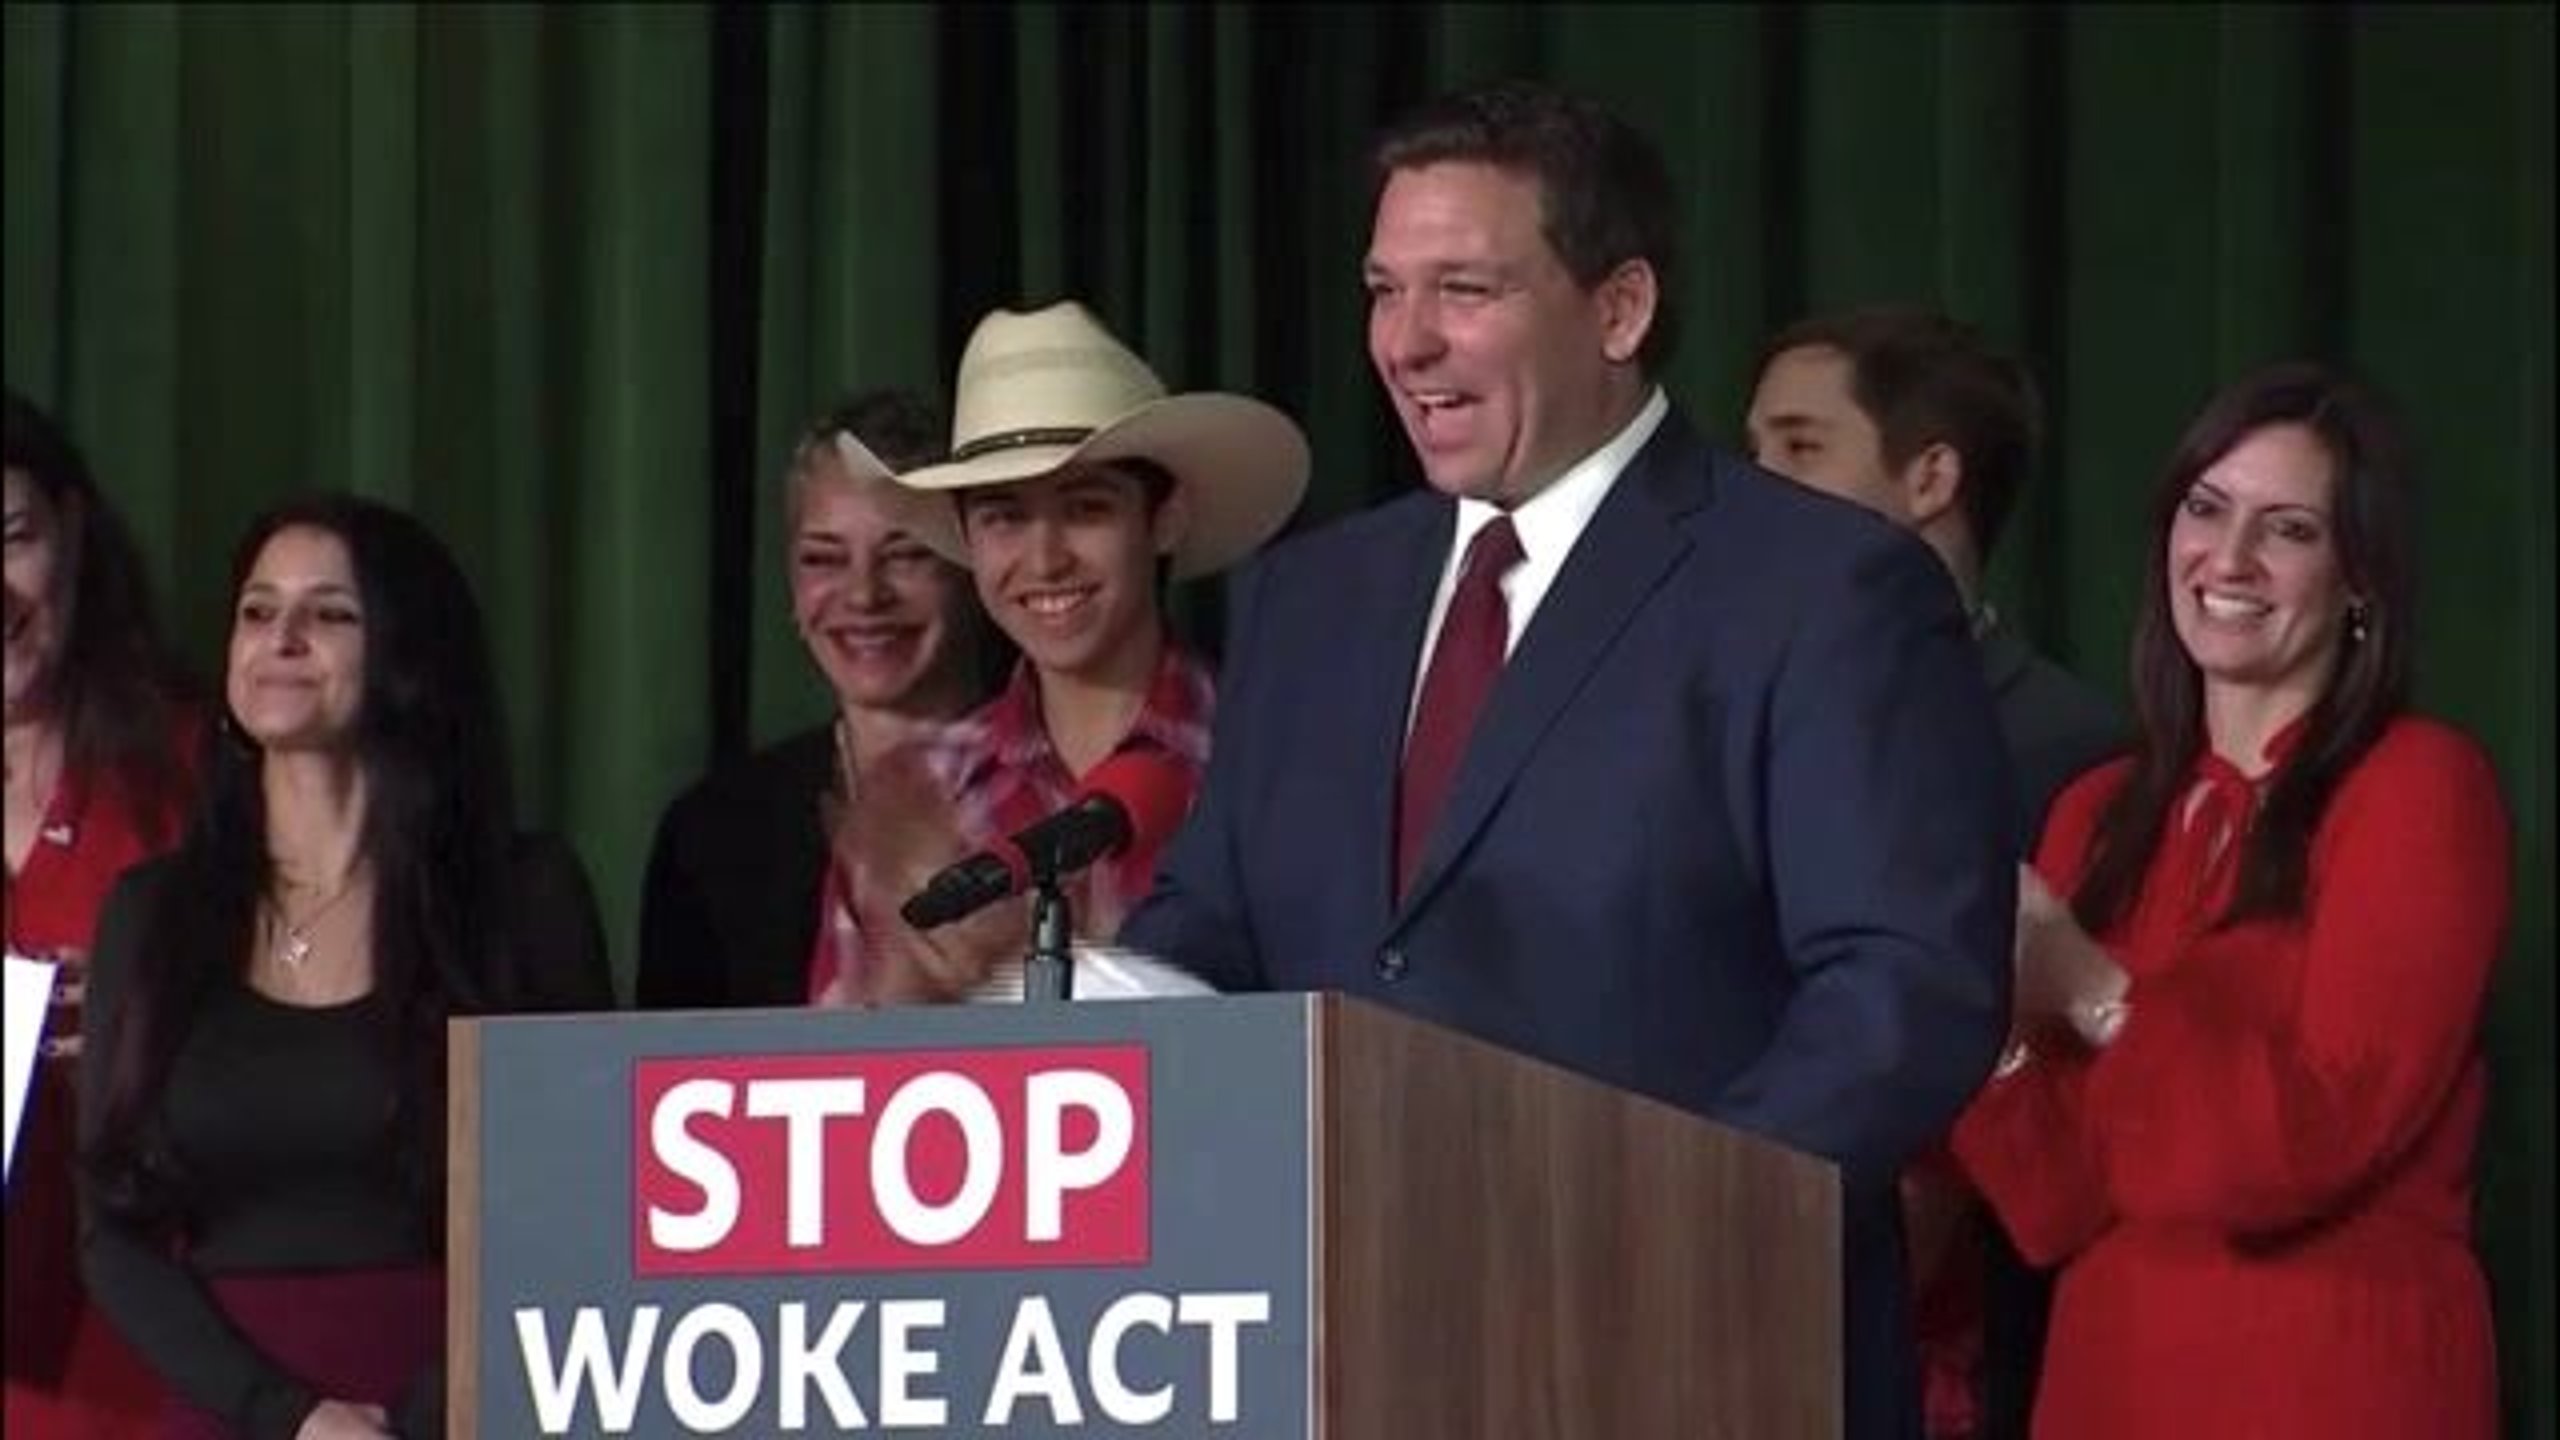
column 2243, row 1102
column 94, row 784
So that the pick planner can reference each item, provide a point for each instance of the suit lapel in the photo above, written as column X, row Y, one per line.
column 1623, row 555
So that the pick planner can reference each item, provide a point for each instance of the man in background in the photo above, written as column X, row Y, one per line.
column 1910, row 414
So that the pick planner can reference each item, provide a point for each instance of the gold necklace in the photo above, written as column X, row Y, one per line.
column 291, row 943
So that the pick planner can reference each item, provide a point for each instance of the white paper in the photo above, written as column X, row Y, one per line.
column 1114, row 972
column 1102, row 972
column 24, row 1006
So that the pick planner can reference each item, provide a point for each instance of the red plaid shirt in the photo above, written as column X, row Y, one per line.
column 1002, row 774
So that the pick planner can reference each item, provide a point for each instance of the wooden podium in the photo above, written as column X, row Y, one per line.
column 1280, row 1215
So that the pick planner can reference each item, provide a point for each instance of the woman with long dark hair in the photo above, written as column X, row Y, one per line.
column 2242, row 1104
column 262, row 1096
column 100, row 747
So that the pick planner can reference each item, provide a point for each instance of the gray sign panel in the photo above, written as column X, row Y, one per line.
column 1199, row 1327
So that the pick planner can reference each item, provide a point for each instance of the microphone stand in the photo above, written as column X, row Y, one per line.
column 1048, row 973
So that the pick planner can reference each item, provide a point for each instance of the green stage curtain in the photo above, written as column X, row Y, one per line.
column 567, row 280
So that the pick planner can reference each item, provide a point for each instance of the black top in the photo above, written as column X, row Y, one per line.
column 283, row 1173
column 2054, row 724
column 729, row 912
column 278, row 1115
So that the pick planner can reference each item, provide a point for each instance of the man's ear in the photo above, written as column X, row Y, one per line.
column 1932, row 483
column 1626, row 298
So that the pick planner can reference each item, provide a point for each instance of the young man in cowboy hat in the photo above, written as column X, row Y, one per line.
column 1076, row 486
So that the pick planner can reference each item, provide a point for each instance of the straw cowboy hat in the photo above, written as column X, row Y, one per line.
column 1039, row 392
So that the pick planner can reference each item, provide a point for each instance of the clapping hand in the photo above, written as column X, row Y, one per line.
column 2061, row 973
column 344, row 1420
column 70, row 989
column 899, row 832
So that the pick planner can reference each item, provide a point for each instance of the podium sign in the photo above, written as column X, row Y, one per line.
column 992, row 1220
column 1271, row 1216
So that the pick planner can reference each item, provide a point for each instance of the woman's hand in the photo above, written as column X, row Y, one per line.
column 910, row 966
column 61, row 1040
column 2063, row 977
column 900, row 829
column 896, row 836
column 344, row 1420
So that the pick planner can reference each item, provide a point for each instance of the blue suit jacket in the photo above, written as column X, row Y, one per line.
column 1732, row 830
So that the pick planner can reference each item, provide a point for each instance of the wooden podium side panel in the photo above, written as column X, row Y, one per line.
column 1508, row 1249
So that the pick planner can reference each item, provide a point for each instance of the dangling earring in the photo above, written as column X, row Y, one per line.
column 2356, row 629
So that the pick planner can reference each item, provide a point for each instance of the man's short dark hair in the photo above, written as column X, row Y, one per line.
column 1605, row 191
column 1923, row 379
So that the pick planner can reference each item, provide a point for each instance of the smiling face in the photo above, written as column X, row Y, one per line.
column 31, row 600
column 295, row 680
column 1066, row 563
column 883, row 617
column 1503, row 368
column 2257, row 593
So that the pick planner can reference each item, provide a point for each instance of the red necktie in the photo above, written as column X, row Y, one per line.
column 1473, row 637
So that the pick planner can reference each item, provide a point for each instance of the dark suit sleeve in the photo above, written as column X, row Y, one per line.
column 679, row 956
column 1887, row 816
column 2058, row 729
column 1195, row 916
column 560, row 943
column 131, row 1273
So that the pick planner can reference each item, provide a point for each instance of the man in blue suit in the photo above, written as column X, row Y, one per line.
column 1725, row 827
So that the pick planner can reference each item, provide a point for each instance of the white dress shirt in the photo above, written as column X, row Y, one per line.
column 1548, row 523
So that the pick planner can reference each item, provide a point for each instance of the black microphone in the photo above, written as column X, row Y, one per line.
column 1134, row 798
